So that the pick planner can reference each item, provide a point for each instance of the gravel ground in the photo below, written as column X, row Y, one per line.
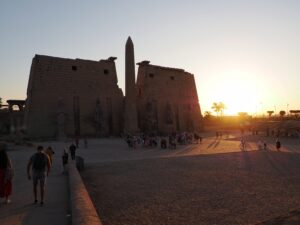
column 231, row 188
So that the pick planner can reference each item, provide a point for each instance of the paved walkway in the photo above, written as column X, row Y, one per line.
column 22, row 211
column 56, row 209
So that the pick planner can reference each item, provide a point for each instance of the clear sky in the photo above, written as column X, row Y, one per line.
column 243, row 53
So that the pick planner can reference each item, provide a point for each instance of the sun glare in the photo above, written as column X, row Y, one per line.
column 239, row 92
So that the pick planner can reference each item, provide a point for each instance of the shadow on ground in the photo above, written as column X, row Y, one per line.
column 231, row 188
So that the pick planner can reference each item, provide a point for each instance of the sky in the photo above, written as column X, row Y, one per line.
column 243, row 53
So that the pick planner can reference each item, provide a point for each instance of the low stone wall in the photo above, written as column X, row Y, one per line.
column 83, row 210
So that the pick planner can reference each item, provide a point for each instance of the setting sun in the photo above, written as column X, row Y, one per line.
column 240, row 92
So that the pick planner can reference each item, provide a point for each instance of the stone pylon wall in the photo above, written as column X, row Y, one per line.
column 167, row 100
column 67, row 97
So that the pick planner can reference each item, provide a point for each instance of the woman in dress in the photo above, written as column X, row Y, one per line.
column 5, row 176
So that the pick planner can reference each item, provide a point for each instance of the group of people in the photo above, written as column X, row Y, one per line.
column 261, row 145
column 170, row 141
column 38, row 168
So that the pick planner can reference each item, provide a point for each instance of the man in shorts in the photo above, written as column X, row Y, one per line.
column 38, row 169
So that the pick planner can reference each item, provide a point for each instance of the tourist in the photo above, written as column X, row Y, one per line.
column 49, row 152
column 72, row 149
column 278, row 145
column 6, row 174
column 38, row 169
column 196, row 138
column 172, row 142
column 265, row 146
column 65, row 158
column 134, row 142
column 163, row 143
column 243, row 144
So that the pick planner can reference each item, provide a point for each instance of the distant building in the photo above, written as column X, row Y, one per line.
column 76, row 97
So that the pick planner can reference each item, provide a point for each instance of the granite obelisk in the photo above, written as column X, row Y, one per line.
column 130, row 117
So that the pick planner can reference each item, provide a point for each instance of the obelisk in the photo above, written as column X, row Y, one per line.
column 130, row 117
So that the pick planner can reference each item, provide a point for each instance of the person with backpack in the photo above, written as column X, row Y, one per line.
column 38, row 169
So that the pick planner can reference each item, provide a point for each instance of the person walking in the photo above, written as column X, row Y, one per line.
column 49, row 152
column 38, row 169
column 265, row 145
column 72, row 149
column 6, row 174
column 65, row 158
column 243, row 144
column 278, row 145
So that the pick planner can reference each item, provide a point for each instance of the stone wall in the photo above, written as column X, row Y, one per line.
column 69, row 97
column 167, row 100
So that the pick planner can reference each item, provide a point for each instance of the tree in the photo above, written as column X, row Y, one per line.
column 218, row 107
column 295, row 112
column 207, row 114
column 282, row 113
column 0, row 102
column 270, row 113
column 222, row 107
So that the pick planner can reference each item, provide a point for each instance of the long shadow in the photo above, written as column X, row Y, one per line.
column 247, row 161
column 215, row 143
column 211, row 144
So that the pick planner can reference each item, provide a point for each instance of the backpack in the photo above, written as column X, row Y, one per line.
column 39, row 161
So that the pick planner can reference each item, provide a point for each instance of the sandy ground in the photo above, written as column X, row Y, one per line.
column 212, row 183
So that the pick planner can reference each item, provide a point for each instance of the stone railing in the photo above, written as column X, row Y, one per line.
column 83, row 210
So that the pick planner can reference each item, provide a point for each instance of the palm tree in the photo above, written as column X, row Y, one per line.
column 222, row 107
column 295, row 112
column 216, row 108
column 282, row 113
column 270, row 113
